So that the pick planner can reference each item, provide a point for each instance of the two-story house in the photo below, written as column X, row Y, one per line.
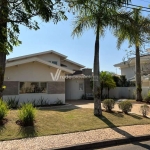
column 48, row 75
column 128, row 69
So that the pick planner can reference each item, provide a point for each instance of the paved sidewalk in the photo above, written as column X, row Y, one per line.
column 71, row 139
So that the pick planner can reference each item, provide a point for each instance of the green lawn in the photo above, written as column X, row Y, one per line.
column 64, row 121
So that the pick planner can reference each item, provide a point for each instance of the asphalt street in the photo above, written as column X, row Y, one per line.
column 134, row 146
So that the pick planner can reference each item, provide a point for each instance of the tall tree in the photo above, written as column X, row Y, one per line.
column 136, row 30
column 97, row 15
column 22, row 12
column 107, row 81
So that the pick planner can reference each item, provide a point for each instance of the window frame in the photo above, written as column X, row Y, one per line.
column 39, row 86
column 82, row 87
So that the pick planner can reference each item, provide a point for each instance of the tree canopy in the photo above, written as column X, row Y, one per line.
column 136, row 29
column 23, row 12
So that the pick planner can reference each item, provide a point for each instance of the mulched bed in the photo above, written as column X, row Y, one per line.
column 3, row 121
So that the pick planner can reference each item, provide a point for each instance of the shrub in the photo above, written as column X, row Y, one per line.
column 3, row 109
column 42, row 101
column 108, row 104
column 144, row 109
column 147, row 98
column 12, row 102
column 125, row 106
column 59, row 102
column 27, row 114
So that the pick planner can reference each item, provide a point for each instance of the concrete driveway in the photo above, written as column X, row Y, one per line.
column 90, row 104
column 81, row 103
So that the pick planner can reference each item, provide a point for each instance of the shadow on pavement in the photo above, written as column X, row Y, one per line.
column 122, row 132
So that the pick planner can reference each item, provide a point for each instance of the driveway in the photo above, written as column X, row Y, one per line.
column 90, row 104
column 81, row 103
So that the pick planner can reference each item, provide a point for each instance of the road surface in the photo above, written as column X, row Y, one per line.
column 135, row 146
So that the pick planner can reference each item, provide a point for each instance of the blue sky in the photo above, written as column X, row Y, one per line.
column 78, row 49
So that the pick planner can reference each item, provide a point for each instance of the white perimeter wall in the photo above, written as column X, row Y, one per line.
column 50, row 98
column 125, row 92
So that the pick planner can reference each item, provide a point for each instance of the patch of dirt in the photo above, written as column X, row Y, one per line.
column 3, row 121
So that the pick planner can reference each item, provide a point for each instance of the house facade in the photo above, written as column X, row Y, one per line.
column 48, row 75
column 128, row 69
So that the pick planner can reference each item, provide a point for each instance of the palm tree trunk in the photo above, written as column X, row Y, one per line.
column 101, row 90
column 96, row 82
column 138, row 75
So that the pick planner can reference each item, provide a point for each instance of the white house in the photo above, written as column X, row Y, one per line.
column 48, row 75
column 128, row 69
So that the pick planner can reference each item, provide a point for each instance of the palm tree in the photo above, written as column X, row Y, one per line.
column 136, row 30
column 96, row 15
column 107, row 81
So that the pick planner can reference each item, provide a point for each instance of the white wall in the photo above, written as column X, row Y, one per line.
column 50, row 98
column 126, row 92
column 33, row 71
column 70, row 65
column 128, row 71
column 50, row 57
column 72, row 88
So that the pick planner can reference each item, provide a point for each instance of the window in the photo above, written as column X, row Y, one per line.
column 81, row 86
column 54, row 62
column 33, row 87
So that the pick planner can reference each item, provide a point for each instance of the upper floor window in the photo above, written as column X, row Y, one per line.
column 54, row 62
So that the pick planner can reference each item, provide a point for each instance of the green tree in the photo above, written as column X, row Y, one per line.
column 106, row 81
column 98, row 15
column 117, row 80
column 23, row 12
column 136, row 30
column 123, row 80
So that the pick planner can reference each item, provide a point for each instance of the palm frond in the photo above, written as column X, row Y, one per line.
column 81, row 23
column 135, row 29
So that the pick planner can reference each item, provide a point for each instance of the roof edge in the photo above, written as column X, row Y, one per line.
column 35, row 54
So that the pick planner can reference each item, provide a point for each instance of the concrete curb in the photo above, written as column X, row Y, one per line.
column 106, row 143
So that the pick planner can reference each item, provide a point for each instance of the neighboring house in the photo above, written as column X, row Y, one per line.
column 49, row 75
column 128, row 69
